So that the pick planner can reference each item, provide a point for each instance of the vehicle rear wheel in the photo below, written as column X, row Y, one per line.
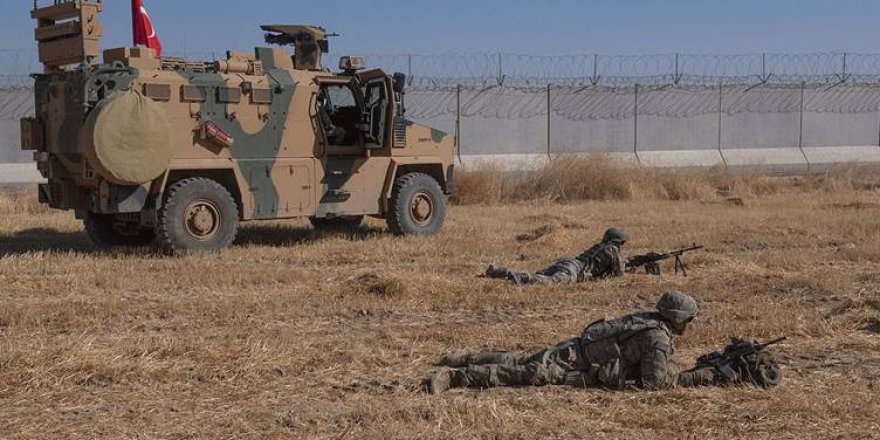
column 199, row 215
column 105, row 231
column 346, row 223
column 417, row 205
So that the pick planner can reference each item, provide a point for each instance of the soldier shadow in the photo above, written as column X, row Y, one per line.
column 288, row 236
column 36, row 240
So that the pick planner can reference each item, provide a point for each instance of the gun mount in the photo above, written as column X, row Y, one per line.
column 309, row 43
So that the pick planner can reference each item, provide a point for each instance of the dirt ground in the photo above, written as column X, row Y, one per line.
column 298, row 334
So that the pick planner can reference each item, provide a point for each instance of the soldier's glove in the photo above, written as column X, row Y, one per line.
column 762, row 370
column 578, row 379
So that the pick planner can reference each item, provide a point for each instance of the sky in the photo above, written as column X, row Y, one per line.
column 554, row 27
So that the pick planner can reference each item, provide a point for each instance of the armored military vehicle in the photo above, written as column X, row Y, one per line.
column 175, row 152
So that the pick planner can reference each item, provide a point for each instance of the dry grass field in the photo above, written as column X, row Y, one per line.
column 299, row 334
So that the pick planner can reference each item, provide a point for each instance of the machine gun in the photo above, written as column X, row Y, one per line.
column 650, row 261
column 309, row 42
column 743, row 362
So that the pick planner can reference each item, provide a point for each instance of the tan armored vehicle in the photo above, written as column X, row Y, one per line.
column 165, row 150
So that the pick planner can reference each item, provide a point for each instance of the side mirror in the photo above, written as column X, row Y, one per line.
column 399, row 81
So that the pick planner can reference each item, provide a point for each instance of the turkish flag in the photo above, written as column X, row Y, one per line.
column 142, row 28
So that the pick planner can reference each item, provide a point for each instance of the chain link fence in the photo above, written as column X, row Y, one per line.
column 788, row 110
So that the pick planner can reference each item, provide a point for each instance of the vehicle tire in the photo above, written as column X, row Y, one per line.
column 105, row 232
column 347, row 223
column 417, row 205
column 199, row 215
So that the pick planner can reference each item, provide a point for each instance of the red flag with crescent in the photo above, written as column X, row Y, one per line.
column 142, row 28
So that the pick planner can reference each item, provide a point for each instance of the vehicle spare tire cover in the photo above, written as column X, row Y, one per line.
column 128, row 138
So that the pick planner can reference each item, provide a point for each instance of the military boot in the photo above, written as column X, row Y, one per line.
column 445, row 379
column 494, row 271
column 455, row 359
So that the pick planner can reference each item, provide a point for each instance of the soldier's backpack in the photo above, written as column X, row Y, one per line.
column 596, row 261
column 600, row 344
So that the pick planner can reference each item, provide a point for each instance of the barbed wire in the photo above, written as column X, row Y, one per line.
column 484, row 69
column 621, row 70
column 588, row 87
column 619, row 103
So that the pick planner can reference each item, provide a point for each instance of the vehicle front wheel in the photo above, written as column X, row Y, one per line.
column 199, row 215
column 417, row 205
column 105, row 231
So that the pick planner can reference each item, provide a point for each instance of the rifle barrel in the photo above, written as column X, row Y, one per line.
column 680, row 252
column 775, row 341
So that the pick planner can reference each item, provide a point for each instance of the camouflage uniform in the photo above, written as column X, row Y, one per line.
column 633, row 351
column 600, row 261
column 502, row 368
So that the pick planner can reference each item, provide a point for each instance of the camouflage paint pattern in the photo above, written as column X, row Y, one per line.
column 279, row 165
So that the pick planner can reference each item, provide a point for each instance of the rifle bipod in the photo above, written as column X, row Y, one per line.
column 679, row 266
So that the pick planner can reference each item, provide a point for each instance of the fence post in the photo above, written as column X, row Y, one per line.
column 765, row 77
column 636, row 123
column 878, row 132
column 549, row 111
column 721, row 122
column 500, row 70
column 801, row 127
column 458, row 123
column 594, row 80
column 676, row 77
column 845, row 75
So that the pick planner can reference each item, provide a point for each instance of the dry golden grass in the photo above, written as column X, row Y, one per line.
column 296, row 334
column 577, row 178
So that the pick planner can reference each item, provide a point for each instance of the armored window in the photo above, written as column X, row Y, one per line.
column 338, row 114
column 192, row 94
column 158, row 92
column 340, row 96
column 228, row 94
column 261, row 96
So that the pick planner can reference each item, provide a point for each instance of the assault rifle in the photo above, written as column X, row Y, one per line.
column 650, row 261
column 743, row 361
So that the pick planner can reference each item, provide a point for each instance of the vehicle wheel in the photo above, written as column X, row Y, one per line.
column 417, row 206
column 199, row 215
column 105, row 231
column 341, row 224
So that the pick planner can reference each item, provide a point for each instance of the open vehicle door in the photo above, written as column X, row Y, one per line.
column 378, row 109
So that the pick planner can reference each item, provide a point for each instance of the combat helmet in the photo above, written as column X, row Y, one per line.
column 615, row 235
column 677, row 307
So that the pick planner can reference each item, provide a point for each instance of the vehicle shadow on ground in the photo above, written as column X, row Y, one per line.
column 45, row 240
column 284, row 236
column 49, row 240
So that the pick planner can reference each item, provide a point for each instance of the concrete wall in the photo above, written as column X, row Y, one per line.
column 787, row 127
column 781, row 127
column 15, row 103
